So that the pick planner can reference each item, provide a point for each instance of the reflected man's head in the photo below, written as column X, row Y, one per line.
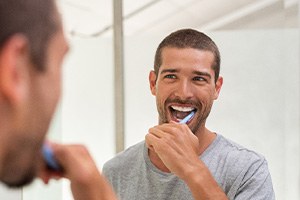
column 186, row 77
column 32, row 47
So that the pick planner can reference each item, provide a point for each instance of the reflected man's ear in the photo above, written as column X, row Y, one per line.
column 219, row 84
column 14, row 69
column 152, row 82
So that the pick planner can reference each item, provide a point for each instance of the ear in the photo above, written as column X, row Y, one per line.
column 152, row 81
column 218, row 86
column 14, row 70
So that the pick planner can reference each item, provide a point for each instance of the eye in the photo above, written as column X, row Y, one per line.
column 170, row 76
column 199, row 78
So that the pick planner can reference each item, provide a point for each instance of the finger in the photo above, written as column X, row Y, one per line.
column 173, row 122
column 170, row 127
column 65, row 156
column 148, row 145
column 157, row 131
column 151, row 141
column 166, row 128
column 45, row 174
column 177, row 129
column 159, row 145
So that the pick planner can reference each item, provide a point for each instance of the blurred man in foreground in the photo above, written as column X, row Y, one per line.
column 32, row 48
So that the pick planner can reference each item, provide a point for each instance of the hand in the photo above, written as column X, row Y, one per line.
column 176, row 146
column 79, row 167
column 179, row 150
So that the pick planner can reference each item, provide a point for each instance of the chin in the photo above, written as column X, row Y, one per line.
column 20, row 167
column 21, row 182
column 19, row 179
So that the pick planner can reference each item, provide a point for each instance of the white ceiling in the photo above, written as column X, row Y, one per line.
column 148, row 17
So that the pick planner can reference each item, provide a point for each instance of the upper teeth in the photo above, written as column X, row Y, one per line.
column 182, row 109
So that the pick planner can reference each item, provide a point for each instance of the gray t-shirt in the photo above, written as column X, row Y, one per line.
column 241, row 173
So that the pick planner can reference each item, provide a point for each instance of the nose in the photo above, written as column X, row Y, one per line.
column 184, row 90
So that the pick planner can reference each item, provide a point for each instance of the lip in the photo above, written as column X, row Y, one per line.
column 186, row 109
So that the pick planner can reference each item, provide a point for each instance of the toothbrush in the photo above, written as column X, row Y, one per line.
column 49, row 158
column 187, row 118
column 52, row 163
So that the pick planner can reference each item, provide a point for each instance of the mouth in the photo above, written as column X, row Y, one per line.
column 179, row 112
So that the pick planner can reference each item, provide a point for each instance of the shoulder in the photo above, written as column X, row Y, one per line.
column 125, row 158
column 248, row 172
column 238, row 152
column 242, row 162
column 234, row 158
column 239, row 170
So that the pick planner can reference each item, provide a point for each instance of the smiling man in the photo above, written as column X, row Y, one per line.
column 187, row 161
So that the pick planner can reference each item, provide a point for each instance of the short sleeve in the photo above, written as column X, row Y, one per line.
column 256, row 184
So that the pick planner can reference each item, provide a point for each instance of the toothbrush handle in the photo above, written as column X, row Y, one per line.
column 49, row 158
column 187, row 118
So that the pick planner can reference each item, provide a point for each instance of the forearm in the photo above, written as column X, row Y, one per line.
column 87, row 183
column 93, row 188
column 202, row 184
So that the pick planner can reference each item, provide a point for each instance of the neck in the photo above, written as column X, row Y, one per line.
column 157, row 162
column 6, row 123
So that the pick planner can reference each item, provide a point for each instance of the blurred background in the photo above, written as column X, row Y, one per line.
column 153, row 17
column 258, row 106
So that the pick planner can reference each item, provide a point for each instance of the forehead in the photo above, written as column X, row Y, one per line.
column 186, row 58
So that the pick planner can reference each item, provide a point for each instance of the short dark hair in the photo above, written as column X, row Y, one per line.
column 35, row 19
column 189, row 38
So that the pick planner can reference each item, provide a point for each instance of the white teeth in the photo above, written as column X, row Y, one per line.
column 182, row 109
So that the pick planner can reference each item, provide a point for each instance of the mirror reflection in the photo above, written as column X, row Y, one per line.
column 258, row 106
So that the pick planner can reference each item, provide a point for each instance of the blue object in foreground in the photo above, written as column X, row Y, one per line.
column 49, row 158
column 187, row 118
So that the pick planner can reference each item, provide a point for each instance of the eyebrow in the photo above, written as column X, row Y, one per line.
column 169, row 71
column 199, row 73
column 202, row 74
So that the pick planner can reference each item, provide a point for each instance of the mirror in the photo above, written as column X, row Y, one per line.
column 259, row 44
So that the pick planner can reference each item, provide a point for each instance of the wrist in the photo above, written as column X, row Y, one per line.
column 194, row 174
column 202, row 184
column 93, row 188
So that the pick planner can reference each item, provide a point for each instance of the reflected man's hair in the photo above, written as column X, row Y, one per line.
column 34, row 19
column 189, row 38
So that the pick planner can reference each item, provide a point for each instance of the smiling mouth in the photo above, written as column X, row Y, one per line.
column 180, row 112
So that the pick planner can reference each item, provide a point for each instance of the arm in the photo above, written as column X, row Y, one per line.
column 79, row 167
column 178, row 148
column 202, row 184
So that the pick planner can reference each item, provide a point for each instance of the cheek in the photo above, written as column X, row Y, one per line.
column 56, row 90
column 52, row 91
column 207, row 93
column 55, row 79
column 161, row 97
column 58, row 83
column 159, row 102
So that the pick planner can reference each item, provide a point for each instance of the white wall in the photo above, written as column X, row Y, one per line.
column 10, row 194
column 88, row 104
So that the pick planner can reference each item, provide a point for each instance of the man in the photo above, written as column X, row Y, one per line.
column 187, row 161
column 32, row 48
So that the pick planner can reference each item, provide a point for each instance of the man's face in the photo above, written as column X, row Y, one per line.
column 185, row 83
column 24, row 155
